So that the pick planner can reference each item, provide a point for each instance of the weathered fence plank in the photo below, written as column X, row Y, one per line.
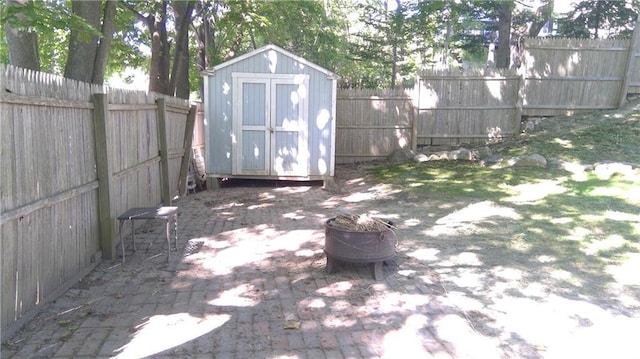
column 186, row 157
column 631, row 83
column 103, row 169
column 164, row 151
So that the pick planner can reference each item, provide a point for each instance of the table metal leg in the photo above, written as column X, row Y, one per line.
column 175, row 223
column 164, row 213
column 168, row 241
column 121, row 242
column 133, row 234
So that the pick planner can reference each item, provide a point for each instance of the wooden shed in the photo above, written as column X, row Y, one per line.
column 270, row 114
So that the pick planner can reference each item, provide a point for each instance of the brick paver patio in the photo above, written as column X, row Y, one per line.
column 249, row 281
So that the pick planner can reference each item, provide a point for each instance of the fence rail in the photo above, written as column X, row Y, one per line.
column 73, row 157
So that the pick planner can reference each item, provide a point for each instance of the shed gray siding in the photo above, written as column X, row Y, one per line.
column 269, row 60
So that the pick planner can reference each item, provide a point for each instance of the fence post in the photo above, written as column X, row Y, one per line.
column 186, row 157
column 634, row 48
column 165, row 190
column 519, row 102
column 415, row 113
column 101, row 134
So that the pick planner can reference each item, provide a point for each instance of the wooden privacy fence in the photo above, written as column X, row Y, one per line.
column 445, row 107
column 561, row 75
column 468, row 106
column 73, row 157
column 557, row 76
column 372, row 123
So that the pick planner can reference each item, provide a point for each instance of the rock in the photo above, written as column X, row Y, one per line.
column 460, row 154
column 532, row 124
column 420, row 157
column 481, row 153
column 400, row 155
column 438, row 156
column 492, row 159
column 534, row 160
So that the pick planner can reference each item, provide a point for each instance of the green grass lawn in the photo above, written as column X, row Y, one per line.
column 580, row 218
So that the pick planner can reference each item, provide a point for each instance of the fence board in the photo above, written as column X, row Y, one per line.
column 176, row 124
column 198, row 130
column 632, row 80
column 8, row 265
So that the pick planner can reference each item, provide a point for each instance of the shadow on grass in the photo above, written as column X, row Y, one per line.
column 570, row 235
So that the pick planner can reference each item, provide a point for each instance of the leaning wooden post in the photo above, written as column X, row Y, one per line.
column 186, row 157
column 415, row 113
column 165, row 191
column 101, row 136
column 519, row 102
column 634, row 51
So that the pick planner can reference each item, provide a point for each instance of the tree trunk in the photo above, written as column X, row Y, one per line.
column 203, row 35
column 597, row 20
column 543, row 14
column 22, row 44
column 160, row 51
column 102, row 54
column 394, row 36
column 82, row 45
column 504, row 34
column 235, row 45
column 179, row 82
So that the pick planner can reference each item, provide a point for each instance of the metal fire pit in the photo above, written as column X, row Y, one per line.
column 375, row 247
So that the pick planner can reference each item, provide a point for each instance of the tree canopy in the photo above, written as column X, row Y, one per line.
column 369, row 43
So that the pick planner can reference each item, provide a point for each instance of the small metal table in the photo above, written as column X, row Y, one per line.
column 166, row 214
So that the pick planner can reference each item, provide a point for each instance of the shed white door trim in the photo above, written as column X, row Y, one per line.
column 270, row 124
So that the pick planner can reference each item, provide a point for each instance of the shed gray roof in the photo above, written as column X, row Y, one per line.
column 266, row 48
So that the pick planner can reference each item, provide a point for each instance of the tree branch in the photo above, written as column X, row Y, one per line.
column 133, row 10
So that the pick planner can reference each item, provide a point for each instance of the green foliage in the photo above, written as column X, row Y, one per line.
column 369, row 43
column 305, row 28
column 310, row 29
column 52, row 21
column 43, row 16
column 130, row 47
column 379, row 40
column 598, row 19
column 53, row 48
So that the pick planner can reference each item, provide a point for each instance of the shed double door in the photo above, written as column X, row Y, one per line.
column 270, row 125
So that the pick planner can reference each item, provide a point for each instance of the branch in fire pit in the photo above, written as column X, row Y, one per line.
column 359, row 223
